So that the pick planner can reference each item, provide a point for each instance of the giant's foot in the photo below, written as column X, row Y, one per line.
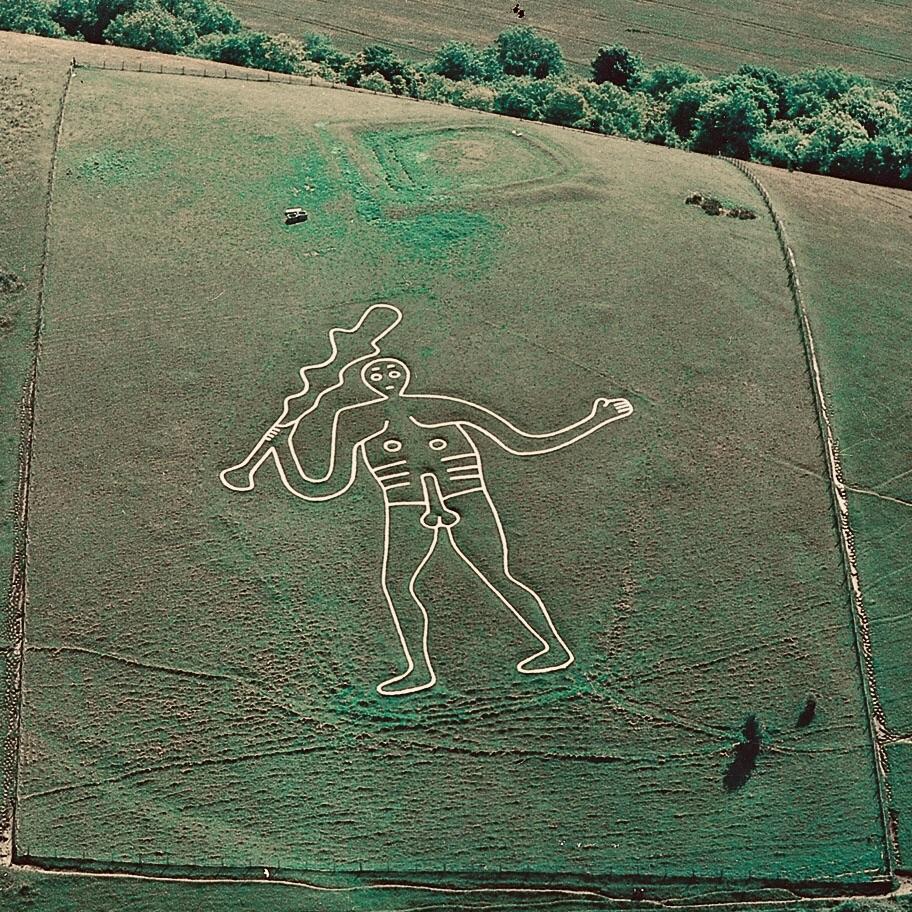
column 414, row 680
column 553, row 657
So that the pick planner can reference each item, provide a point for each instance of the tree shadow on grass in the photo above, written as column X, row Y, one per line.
column 745, row 756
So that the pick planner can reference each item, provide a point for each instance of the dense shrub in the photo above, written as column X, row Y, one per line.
column 523, row 52
column 206, row 16
column 663, row 80
column 728, row 125
column 279, row 53
column 617, row 65
column 807, row 93
column 614, row 111
column 566, row 106
column 683, row 105
column 522, row 97
column 376, row 83
column 824, row 119
column 456, row 60
column 401, row 76
column 467, row 94
column 30, row 16
column 150, row 28
column 88, row 19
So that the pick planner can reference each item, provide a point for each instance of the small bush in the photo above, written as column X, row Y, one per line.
column 376, row 83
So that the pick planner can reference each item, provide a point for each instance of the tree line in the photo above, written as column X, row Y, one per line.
column 824, row 120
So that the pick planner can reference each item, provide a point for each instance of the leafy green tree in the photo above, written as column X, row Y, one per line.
column 662, row 80
column 30, row 16
column 88, row 18
column 766, row 99
column 150, row 28
column 773, row 80
column 401, row 76
column 683, row 106
column 320, row 49
column 729, row 125
column 566, row 106
column 615, row 111
column 206, row 16
column 456, row 60
column 830, row 130
column 778, row 145
column 877, row 110
column 617, row 65
column 807, row 93
column 523, row 52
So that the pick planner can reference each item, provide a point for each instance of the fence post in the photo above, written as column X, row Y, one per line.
column 267, row 76
column 140, row 66
column 104, row 63
column 122, row 64
column 160, row 70
column 226, row 72
column 183, row 71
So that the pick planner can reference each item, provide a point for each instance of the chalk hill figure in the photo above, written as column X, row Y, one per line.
column 420, row 450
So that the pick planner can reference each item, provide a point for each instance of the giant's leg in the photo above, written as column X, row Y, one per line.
column 479, row 539
column 407, row 547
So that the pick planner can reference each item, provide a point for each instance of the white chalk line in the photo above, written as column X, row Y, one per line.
column 383, row 688
column 382, row 375
column 896, row 500
column 305, row 885
column 334, row 350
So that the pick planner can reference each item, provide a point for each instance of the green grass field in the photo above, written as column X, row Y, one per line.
column 200, row 664
column 868, row 36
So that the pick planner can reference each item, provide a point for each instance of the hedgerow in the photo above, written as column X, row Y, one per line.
column 824, row 120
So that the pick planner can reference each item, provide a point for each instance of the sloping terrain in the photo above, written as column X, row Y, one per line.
column 853, row 251
column 201, row 663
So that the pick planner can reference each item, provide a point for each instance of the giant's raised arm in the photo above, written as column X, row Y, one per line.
column 437, row 411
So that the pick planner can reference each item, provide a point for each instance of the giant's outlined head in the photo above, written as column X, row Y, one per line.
column 386, row 376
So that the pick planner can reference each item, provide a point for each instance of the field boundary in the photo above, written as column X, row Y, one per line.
column 640, row 889
column 18, row 588
column 839, row 493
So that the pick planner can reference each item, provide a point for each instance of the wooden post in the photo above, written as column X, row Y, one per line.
column 226, row 72
column 122, row 64
column 140, row 66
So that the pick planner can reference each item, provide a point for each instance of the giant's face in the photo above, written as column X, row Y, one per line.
column 387, row 376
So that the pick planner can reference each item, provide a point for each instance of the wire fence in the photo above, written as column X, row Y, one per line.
column 653, row 884
column 865, row 654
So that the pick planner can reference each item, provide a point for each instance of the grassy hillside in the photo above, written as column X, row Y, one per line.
column 201, row 664
column 868, row 36
column 853, row 252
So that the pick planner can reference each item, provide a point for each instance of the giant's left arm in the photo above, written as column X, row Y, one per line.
column 514, row 440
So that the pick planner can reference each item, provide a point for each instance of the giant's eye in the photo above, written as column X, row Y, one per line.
column 395, row 375
column 376, row 378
